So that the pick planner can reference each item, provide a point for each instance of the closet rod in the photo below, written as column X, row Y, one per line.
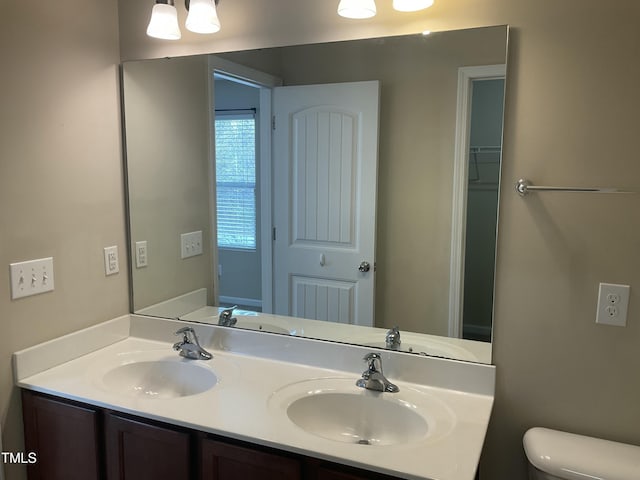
column 524, row 186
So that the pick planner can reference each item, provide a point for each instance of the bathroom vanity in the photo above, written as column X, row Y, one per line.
column 117, row 398
column 91, row 440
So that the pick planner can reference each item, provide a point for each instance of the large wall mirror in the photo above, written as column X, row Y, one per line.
column 334, row 191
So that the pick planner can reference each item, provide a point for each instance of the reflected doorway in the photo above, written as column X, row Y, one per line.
column 485, row 154
column 476, row 185
column 238, row 199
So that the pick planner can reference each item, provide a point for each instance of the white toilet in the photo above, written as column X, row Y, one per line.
column 555, row 455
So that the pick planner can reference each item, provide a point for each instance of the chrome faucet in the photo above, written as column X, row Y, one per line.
column 373, row 378
column 225, row 319
column 189, row 347
column 392, row 340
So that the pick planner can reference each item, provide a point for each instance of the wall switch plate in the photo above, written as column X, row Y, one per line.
column 141, row 254
column 613, row 302
column 31, row 277
column 111, row 265
column 191, row 244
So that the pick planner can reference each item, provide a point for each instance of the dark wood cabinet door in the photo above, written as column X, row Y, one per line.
column 223, row 461
column 64, row 436
column 74, row 441
column 320, row 470
column 142, row 451
column 324, row 473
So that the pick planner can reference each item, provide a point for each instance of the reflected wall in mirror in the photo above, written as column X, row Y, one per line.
column 203, row 207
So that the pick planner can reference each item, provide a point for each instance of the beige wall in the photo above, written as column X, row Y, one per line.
column 571, row 115
column 167, row 117
column 61, row 190
column 563, row 126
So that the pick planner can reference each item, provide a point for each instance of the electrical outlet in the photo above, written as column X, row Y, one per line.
column 191, row 244
column 31, row 277
column 613, row 302
column 141, row 254
column 111, row 265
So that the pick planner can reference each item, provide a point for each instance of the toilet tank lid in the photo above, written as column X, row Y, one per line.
column 576, row 457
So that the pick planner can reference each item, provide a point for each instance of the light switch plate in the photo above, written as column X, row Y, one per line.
column 191, row 244
column 31, row 277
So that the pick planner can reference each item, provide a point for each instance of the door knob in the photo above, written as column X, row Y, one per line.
column 364, row 267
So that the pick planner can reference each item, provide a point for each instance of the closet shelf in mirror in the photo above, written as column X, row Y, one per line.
column 485, row 148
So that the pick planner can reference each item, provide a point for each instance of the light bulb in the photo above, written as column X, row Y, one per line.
column 203, row 17
column 357, row 8
column 164, row 22
column 411, row 5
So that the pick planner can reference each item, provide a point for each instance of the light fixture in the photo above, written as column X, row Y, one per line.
column 367, row 8
column 411, row 5
column 202, row 18
column 357, row 8
column 164, row 21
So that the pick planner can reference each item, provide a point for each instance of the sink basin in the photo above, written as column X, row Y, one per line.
column 159, row 379
column 357, row 418
column 335, row 409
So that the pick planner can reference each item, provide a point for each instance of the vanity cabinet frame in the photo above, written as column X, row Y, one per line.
column 77, row 441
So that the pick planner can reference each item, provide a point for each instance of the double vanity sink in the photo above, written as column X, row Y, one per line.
column 294, row 394
column 333, row 408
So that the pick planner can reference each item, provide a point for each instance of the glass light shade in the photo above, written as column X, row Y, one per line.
column 357, row 8
column 164, row 22
column 203, row 17
column 411, row 5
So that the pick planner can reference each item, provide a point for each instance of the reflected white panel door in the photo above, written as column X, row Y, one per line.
column 325, row 171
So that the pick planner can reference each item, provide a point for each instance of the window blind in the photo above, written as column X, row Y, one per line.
column 236, row 181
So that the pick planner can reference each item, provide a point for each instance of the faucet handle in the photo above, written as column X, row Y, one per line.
column 392, row 339
column 372, row 359
column 373, row 378
column 185, row 331
column 225, row 319
column 190, row 347
column 228, row 311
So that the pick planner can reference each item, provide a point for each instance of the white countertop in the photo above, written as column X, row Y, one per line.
column 246, row 403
